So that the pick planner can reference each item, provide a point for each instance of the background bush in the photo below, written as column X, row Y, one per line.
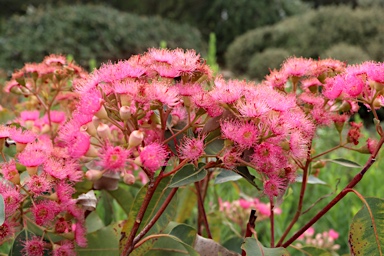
column 88, row 31
column 351, row 54
column 311, row 34
column 261, row 63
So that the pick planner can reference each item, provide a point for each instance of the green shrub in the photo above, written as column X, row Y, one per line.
column 261, row 63
column 351, row 54
column 311, row 34
column 87, row 32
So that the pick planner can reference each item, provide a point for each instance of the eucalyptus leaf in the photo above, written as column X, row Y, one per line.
column 311, row 180
column 253, row 247
column 366, row 234
column 313, row 251
column 226, row 175
column 2, row 210
column 187, row 175
column 344, row 162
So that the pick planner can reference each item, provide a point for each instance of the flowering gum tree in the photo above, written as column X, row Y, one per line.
column 161, row 118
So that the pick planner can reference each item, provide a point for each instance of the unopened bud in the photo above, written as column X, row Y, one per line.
column 92, row 152
column 93, row 175
column 104, row 131
column 102, row 113
column 32, row 170
column 125, row 113
column 129, row 179
column 319, row 164
column 175, row 120
column 377, row 86
column 135, row 138
column 96, row 121
column 137, row 161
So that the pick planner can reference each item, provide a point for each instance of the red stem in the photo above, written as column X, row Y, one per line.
column 350, row 185
column 202, row 210
column 158, row 214
column 250, row 227
column 272, row 220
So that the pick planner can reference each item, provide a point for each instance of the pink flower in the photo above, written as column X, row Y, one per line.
column 29, row 115
column 6, row 230
column 9, row 171
column 296, row 66
column 33, row 246
column 153, row 156
column 56, row 117
column 78, row 145
column 91, row 102
column 4, row 132
column 34, row 154
column 12, row 199
column 38, row 184
column 66, row 248
column 164, row 93
column 227, row 92
column 276, row 79
column 333, row 87
column 45, row 211
column 333, row 234
column 113, row 158
column 191, row 148
column 274, row 186
column 22, row 137
column 80, row 234
column 245, row 135
column 229, row 158
column 55, row 59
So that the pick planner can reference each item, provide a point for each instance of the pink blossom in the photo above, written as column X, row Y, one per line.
column 56, row 117
column 276, row 79
column 34, row 154
column 113, row 158
column 333, row 87
column 244, row 134
column 38, row 184
column 227, row 91
column 22, row 137
column 333, row 234
column 4, row 132
column 164, row 93
column 66, row 248
column 9, row 171
column 29, row 115
column 80, row 234
column 153, row 156
column 296, row 66
column 33, row 246
column 273, row 187
column 191, row 148
column 45, row 211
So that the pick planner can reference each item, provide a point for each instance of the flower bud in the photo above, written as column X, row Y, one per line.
column 135, row 138
column 104, row 131
column 319, row 164
column 93, row 175
column 125, row 113
column 129, row 179
column 102, row 113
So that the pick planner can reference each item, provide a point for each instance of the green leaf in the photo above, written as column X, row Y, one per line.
column 313, row 251
column 170, row 245
column 214, row 147
column 187, row 175
column 2, row 210
column 344, row 162
column 156, row 202
column 93, row 222
column 363, row 238
column 104, row 207
column 311, row 180
column 104, row 241
column 226, row 175
column 234, row 244
column 243, row 171
column 123, row 197
column 186, row 203
column 253, row 247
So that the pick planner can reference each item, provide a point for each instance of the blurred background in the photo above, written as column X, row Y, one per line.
column 245, row 38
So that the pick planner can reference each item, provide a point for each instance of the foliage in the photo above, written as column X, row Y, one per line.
column 349, row 53
column 88, row 32
column 319, row 30
column 261, row 63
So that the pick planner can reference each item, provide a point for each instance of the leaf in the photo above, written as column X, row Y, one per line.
column 311, row 180
column 226, row 175
column 214, row 147
column 363, row 239
column 123, row 197
column 187, row 175
column 2, row 210
column 243, row 171
column 187, row 202
column 208, row 247
column 104, row 241
column 344, row 162
column 93, row 222
column 104, row 207
column 234, row 244
column 253, row 247
column 170, row 245
column 157, row 200
column 313, row 251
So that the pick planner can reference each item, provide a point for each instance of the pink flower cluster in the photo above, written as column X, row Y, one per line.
column 325, row 240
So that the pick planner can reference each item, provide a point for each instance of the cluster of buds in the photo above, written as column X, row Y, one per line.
column 238, row 211
column 325, row 240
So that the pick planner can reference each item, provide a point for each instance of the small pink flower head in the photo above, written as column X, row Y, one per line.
column 33, row 246
column 34, row 154
column 308, row 233
column 45, row 211
column 273, row 187
column 12, row 199
column 245, row 135
column 229, row 158
column 79, row 145
column 165, row 93
column 333, row 234
column 245, row 204
column 56, row 117
column 9, row 171
column 4, row 132
column 276, row 79
column 153, row 156
column 354, row 133
column 113, row 158
column 64, row 191
column 296, row 67
column 22, row 137
column 66, row 248
column 80, row 234
column 354, row 84
column 227, row 92
column 38, row 185
column 91, row 103
column 55, row 60
column 27, row 115
column 191, row 148
column 6, row 230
